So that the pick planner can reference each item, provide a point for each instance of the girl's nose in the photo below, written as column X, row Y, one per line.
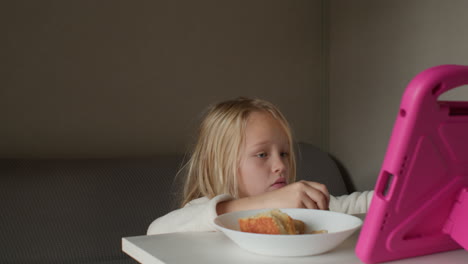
column 279, row 164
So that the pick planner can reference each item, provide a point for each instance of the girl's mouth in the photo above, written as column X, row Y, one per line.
column 279, row 183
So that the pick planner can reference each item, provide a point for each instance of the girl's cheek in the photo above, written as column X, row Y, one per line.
column 255, row 162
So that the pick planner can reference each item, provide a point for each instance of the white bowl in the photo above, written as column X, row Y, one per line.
column 339, row 226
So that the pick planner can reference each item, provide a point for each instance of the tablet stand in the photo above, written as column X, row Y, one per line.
column 420, row 204
column 457, row 223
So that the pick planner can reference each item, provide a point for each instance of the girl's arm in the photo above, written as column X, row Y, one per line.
column 354, row 203
column 302, row 194
column 197, row 215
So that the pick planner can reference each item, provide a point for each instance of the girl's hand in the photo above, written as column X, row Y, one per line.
column 302, row 194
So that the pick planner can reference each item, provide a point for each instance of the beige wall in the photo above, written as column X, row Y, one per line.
column 129, row 78
column 376, row 48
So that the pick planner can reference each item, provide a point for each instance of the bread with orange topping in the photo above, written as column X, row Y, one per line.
column 272, row 222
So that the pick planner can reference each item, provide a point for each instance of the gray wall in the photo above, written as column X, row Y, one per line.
column 130, row 78
column 376, row 48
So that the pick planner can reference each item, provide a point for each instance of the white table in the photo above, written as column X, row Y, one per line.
column 215, row 247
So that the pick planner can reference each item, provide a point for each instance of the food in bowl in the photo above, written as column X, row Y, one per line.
column 274, row 222
column 339, row 225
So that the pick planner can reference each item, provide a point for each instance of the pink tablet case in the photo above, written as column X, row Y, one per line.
column 420, row 205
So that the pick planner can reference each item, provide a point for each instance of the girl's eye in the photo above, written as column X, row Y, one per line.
column 262, row 155
column 284, row 154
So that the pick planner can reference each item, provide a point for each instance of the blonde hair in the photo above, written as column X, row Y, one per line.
column 213, row 166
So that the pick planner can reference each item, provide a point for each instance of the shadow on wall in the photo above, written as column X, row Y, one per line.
column 345, row 174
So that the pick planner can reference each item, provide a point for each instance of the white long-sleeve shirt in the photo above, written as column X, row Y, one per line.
column 198, row 215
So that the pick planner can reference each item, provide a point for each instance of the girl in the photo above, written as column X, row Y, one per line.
column 244, row 159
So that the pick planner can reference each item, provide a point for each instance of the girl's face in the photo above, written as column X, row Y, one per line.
column 264, row 157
